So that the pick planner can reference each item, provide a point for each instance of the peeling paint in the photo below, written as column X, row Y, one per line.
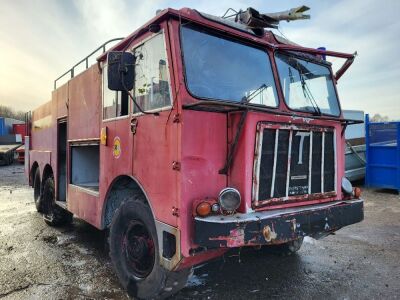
column 235, row 238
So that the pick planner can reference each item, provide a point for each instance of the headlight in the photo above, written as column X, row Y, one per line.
column 229, row 199
column 346, row 186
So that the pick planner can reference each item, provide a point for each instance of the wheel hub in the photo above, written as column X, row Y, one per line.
column 138, row 247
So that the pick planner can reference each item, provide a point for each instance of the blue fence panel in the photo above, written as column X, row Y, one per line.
column 382, row 141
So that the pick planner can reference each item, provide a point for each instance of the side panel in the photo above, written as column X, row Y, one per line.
column 60, row 96
column 42, row 123
column 83, row 205
column 84, row 105
column 204, row 149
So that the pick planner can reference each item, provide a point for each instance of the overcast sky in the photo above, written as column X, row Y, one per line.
column 41, row 39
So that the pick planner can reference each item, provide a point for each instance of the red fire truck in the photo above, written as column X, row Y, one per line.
column 193, row 135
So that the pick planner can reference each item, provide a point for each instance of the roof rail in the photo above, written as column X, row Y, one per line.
column 86, row 60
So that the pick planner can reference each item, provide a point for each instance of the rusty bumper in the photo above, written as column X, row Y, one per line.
column 277, row 226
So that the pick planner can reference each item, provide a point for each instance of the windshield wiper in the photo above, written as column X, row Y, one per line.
column 307, row 93
column 247, row 99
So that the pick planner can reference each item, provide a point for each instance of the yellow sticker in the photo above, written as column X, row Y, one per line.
column 117, row 147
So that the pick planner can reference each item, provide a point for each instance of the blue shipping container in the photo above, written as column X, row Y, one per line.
column 3, row 130
column 382, row 141
column 6, row 125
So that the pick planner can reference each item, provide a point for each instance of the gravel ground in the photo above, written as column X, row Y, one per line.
column 40, row 262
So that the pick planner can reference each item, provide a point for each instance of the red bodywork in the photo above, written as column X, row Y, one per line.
column 174, row 157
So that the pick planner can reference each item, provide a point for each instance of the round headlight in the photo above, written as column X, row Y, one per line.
column 346, row 186
column 229, row 199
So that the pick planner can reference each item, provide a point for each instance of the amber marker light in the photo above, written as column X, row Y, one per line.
column 103, row 136
column 357, row 192
column 203, row 209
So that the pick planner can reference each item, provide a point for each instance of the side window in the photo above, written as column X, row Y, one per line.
column 151, row 75
column 115, row 104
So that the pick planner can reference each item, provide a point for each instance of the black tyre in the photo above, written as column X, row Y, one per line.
column 288, row 248
column 135, row 256
column 36, row 190
column 53, row 214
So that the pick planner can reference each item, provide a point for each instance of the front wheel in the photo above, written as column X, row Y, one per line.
column 135, row 254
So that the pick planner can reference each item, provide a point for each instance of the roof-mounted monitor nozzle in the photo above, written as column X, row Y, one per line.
column 255, row 20
column 292, row 14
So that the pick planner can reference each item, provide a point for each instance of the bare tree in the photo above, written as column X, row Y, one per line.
column 379, row 118
column 8, row 112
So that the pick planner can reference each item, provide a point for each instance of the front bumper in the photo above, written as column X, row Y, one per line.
column 277, row 226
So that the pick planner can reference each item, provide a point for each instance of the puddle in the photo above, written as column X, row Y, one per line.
column 195, row 280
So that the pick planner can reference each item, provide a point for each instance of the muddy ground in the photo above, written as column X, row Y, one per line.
column 40, row 262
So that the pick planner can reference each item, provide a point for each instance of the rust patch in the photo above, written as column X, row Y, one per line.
column 269, row 234
column 291, row 199
column 235, row 238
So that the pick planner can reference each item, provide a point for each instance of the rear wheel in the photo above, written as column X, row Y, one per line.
column 134, row 252
column 36, row 190
column 53, row 214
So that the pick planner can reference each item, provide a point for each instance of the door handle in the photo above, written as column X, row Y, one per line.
column 134, row 124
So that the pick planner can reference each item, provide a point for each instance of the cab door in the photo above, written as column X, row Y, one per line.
column 155, row 139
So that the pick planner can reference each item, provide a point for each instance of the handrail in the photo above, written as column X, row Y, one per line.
column 86, row 59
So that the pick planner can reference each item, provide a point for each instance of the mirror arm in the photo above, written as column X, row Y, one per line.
column 133, row 99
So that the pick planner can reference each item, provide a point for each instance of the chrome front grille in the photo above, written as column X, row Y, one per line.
column 293, row 163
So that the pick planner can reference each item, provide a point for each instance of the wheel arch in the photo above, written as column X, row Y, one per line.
column 118, row 190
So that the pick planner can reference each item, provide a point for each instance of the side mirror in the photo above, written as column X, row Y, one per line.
column 120, row 72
